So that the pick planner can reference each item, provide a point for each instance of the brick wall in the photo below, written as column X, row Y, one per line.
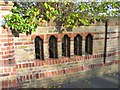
column 7, row 59
column 19, row 68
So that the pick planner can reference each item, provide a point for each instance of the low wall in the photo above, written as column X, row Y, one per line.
column 20, row 69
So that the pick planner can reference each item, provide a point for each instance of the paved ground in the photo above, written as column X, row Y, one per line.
column 105, row 81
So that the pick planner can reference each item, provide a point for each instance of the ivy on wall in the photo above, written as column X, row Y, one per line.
column 24, row 17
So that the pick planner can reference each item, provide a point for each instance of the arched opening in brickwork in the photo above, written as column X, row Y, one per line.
column 39, row 48
column 66, row 46
column 89, row 44
column 53, row 52
column 78, row 45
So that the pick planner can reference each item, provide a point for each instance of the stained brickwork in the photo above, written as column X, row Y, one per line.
column 19, row 68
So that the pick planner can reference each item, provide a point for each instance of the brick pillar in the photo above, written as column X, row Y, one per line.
column 46, row 47
column 7, row 59
column 6, row 37
column 59, row 46
column 83, row 45
column 71, row 46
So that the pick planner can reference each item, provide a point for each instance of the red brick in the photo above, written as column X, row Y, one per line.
column 5, row 83
column 58, row 72
column 68, row 59
column 19, row 65
column 37, row 76
column 55, row 73
column 5, row 56
column 27, row 65
column 52, row 73
column 71, row 70
column 14, row 69
column 100, row 64
column 54, row 62
column 41, row 75
column 45, row 62
column 23, row 77
column 98, row 56
column 82, row 68
column 6, row 7
column 61, row 72
column 74, row 69
column 90, row 57
column 37, row 63
column 63, row 60
column 49, row 74
column 51, row 62
column 5, row 69
column 41, row 63
column 89, row 66
column 30, row 65
column 1, row 70
column 46, row 74
column 11, row 55
column 118, row 61
column 66, row 71
column 59, row 61
column 18, row 43
column 24, row 65
column 14, row 83
column 27, row 77
column 9, row 69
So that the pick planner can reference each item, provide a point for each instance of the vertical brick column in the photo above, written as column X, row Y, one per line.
column 83, row 45
column 71, row 45
column 59, row 46
column 7, row 59
column 6, row 37
column 46, row 47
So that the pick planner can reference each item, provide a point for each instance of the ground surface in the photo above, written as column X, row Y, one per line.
column 104, row 81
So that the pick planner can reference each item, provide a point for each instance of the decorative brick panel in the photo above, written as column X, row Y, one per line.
column 81, row 34
column 69, row 34
column 48, row 36
column 34, row 35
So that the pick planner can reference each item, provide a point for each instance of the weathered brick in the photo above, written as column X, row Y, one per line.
column 5, row 84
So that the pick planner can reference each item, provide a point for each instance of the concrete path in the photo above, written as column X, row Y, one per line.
column 105, row 81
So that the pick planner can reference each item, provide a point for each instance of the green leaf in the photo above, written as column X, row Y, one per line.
column 43, row 21
column 46, row 5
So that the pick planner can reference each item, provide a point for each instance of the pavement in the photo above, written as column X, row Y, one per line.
column 104, row 81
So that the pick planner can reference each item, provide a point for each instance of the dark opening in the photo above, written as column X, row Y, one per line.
column 39, row 48
column 89, row 44
column 78, row 45
column 66, row 46
column 53, row 52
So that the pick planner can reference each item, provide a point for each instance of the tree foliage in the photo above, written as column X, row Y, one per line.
column 26, row 16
